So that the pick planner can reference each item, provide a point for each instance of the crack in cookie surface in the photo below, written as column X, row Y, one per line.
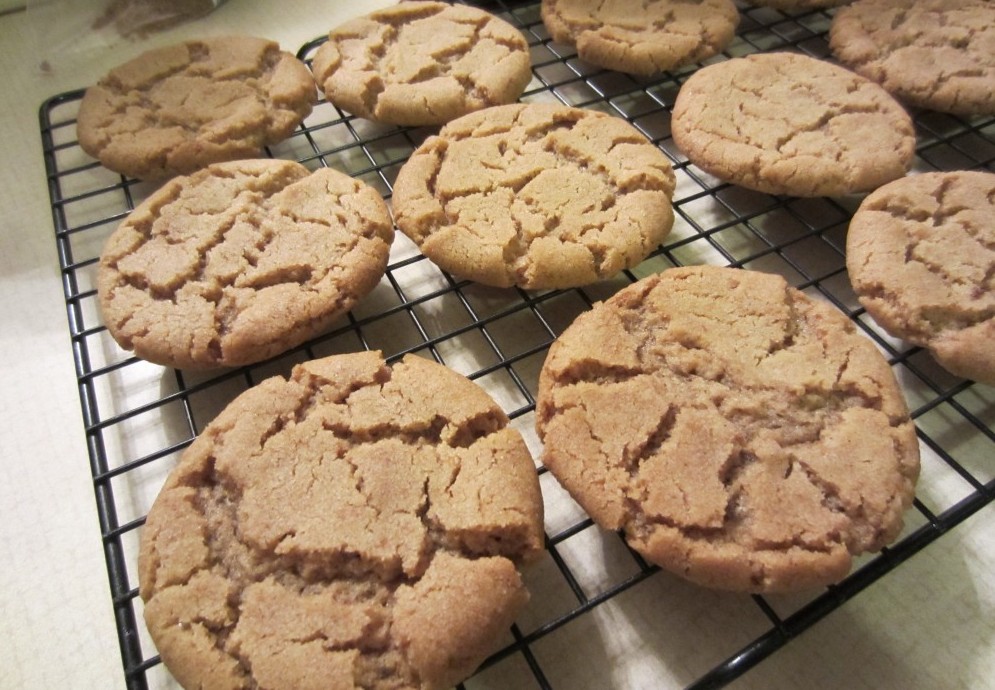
column 321, row 521
column 241, row 261
column 536, row 196
column 727, row 419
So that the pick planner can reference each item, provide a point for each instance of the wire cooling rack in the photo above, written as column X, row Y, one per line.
column 139, row 417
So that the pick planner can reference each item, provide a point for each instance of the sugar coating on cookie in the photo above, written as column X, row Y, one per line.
column 643, row 37
column 921, row 258
column 784, row 123
column 538, row 196
column 176, row 109
column 741, row 434
column 352, row 526
column 422, row 63
column 935, row 54
column 241, row 261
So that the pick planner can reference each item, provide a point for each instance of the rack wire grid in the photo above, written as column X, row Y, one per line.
column 139, row 417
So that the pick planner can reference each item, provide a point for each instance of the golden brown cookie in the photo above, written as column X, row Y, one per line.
column 240, row 262
column 741, row 434
column 176, row 109
column 538, row 196
column 422, row 63
column 642, row 37
column 921, row 258
column 935, row 54
column 784, row 123
column 352, row 526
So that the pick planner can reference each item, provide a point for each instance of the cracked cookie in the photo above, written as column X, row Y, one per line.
column 538, row 196
column 921, row 257
column 173, row 110
column 422, row 63
column 352, row 526
column 784, row 123
column 642, row 37
column 241, row 261
column 739, row 433
column 934, row 54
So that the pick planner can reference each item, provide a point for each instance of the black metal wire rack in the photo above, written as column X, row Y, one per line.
column 139, row 417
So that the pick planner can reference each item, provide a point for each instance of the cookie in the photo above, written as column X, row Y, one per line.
column 351, row 526
column 920, row 254
column 538, row 196
column 173, row 110
column 240, row 262
column 783, row 123
column 422, row 63
column 934, row 54
column 739, row 433
column 643, row 38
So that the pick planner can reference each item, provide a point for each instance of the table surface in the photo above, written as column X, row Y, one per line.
column 928, row 624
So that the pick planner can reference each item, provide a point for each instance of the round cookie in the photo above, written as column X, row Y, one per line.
column 935, row 54
column 783, row 123
column 422, row 63
column 538, row 196
column 642, row 37
column 241, row 261
column 741, row 434
column 920, row 253
column 352, row 526
column 176, row 109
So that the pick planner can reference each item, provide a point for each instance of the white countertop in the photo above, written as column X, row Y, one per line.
column 56, row 620
column 929, row 624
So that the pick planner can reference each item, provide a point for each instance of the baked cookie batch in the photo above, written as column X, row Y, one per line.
column 366, row 522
